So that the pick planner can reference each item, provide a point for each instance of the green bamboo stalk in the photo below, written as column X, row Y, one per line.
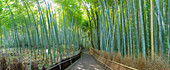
column 85, row 43
column 76, row 36
column 65, row 30
column 42, row 37
column 160, row 14
column 43, row 30
column 106, row 35
column 130, row 39
column 149, row 26
column 23, row 36
column 15, row 28
column 55, row 37
column 122, row 21
column 108, row 24
column 142, row 27
column 13, row 37
column 145, row 27
column 10, row 42
column 118, row 29
column 31, row 31
column 137, row 29
column 112, row 13
column 36, row 29
column 152, row 48
column 164, row 33
column 4, row 33
column 60, row 43
column 104, row 27
column 48, row 13
column 127, row 30
column 36, row 33
column 165, row 20
column 72, row 38
column 100, row 29
column 42, row 43
column 114, row 29
column 1, row 36
column 155, row 31
column 101, row 33
column 164, row 11
column 95, row 38
column 160, row 30
column 67, row 37
column 133, row 29
column 51, row 37
column 46, row 39
column 168, row 32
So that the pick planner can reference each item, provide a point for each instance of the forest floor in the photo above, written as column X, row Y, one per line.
column 86, row 62
column 24, row 57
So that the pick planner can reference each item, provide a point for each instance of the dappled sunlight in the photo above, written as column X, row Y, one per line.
column 86, row 62
column 56, row 33
column 80, row 66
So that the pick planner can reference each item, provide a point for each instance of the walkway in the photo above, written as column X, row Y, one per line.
column 86, row 62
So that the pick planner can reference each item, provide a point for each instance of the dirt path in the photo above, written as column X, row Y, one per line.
column 86, row 62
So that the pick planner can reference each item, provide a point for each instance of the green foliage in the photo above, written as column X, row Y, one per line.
column 109, row 25
column 39, row 27
column 128, row 24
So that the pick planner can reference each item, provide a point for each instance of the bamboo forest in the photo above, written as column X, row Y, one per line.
column 84, row 34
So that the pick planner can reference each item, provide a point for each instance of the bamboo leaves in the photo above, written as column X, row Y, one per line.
column 122, row 26
column 43, row 33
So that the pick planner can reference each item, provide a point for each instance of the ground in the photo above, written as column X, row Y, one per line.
column 86, row 62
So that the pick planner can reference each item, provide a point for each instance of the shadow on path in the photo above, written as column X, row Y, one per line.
column 86, row 62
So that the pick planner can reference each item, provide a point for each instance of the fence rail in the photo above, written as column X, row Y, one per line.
column 102, row 59
column 65, row 62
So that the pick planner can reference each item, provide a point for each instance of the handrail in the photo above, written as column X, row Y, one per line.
column 104, row 64
column 77, row 55
column 64, row 61
column 90, row 50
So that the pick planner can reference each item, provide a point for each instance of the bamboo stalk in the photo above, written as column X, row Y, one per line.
column 146, row 27
column 160, row 30
column 129, row 28
column 122, row 21
column 118, row 30
column 152, row 48
column 142, row 27
column 169, row 32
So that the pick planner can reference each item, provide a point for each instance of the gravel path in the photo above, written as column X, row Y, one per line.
column 86, row 62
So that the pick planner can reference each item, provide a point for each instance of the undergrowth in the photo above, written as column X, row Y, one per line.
column 140, row 63
column 17, row 64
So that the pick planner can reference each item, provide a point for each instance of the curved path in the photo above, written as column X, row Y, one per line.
column 86, row 62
